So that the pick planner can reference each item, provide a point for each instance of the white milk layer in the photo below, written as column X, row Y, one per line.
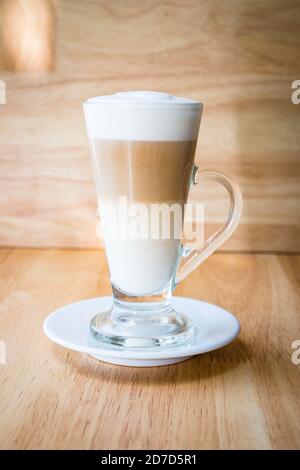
column 141, row 267
column 142, row 115
column 142, row 253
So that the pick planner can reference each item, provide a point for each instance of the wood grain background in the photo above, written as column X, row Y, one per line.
column 238, row 57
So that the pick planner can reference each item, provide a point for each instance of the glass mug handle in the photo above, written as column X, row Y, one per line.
column 192, row 257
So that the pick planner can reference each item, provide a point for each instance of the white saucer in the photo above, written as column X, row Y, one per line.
column 214, row 327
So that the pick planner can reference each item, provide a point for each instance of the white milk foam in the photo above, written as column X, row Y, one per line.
column 142, row 115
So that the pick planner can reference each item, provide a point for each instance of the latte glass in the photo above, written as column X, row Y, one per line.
column 142, row 147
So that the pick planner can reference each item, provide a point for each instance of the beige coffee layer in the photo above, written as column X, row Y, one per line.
column 143, row 171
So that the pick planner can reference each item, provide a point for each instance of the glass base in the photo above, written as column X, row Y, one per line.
column 142, row 325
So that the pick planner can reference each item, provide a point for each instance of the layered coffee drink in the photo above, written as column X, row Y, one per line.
column 142, row 149
column 144, row 158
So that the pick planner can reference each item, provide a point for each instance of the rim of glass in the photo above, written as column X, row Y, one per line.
column 144, row 105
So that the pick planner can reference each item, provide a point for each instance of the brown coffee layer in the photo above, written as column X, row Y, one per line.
column 144, row 171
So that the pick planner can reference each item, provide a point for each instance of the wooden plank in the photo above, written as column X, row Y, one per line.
column 27, row 35
column 239, row 59
column 244, row 396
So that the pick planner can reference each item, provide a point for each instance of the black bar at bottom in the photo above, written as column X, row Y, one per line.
column 152, row 458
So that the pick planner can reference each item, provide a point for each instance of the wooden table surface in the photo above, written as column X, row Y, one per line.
column 246, row 395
